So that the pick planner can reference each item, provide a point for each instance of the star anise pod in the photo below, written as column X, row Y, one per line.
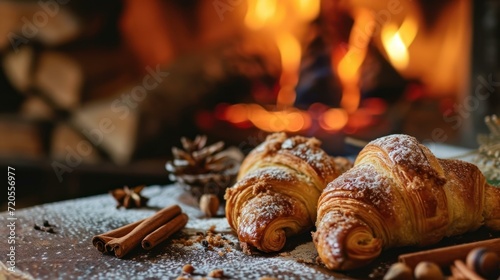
column 129, row 197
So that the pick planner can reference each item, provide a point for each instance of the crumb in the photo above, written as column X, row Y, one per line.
column 209, row 240
column 285, row 254
column 188, row 268
column 267, row 278
column 301, row 261
column 204, row 243
column 212, row 228
column 216, row 273
column 245, row 248
column 215, row 241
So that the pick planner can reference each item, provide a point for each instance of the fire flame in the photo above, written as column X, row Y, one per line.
column 397, row 40
column 282, row 19
column 292, row 120
column 349, row 66
column 290, row 52
column 260, row 13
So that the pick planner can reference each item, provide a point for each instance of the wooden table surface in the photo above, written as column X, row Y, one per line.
column 69, row 254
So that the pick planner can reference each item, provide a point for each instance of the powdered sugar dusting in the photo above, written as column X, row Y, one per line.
column 305, row 252
column 321, row 162
column 270, row 173
column 260, row 212
column 331, row 232
column 407, row 154
column 365, row 183
column 272, row 144
column 288, row 144
column 402, row 149
column 303, row 148
column 69, row 253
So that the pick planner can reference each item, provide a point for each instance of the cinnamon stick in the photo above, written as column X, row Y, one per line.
column 122, row 245
column 468, row 273
column 456, row 273
column 99, row 241
column 446, row 256
column 164, row 232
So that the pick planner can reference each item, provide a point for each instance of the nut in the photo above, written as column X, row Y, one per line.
column 188, row 268
column 209, row 204
column 398, row 271
column 216, row 273
column 484, row 262
column 428, row 271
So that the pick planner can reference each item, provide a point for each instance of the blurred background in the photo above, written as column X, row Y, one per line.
column 94, row 94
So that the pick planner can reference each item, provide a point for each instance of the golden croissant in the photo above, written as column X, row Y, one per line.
column 397, row 194
column 277, row 190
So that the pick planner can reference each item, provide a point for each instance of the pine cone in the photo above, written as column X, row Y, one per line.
column 204, row 170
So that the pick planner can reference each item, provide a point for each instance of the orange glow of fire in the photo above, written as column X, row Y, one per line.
column 361, row 118
column 282, row 19
column 290, row 52
column 294, row 120
column 236, row 113
column 309, row 10
column 260, row 13
column 291, row 119
column 348, row 67
column 397, row 40
column 333, row 119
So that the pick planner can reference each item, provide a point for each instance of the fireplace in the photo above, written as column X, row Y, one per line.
column 361, row 69
column 343, row 71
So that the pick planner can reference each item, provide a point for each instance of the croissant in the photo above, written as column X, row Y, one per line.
column 397, row 194
column 277, row 190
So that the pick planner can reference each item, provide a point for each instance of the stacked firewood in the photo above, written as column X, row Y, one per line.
column 117, row 82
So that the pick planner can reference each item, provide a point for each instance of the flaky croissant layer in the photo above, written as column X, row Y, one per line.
column 277, row 190
column 397, row 194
